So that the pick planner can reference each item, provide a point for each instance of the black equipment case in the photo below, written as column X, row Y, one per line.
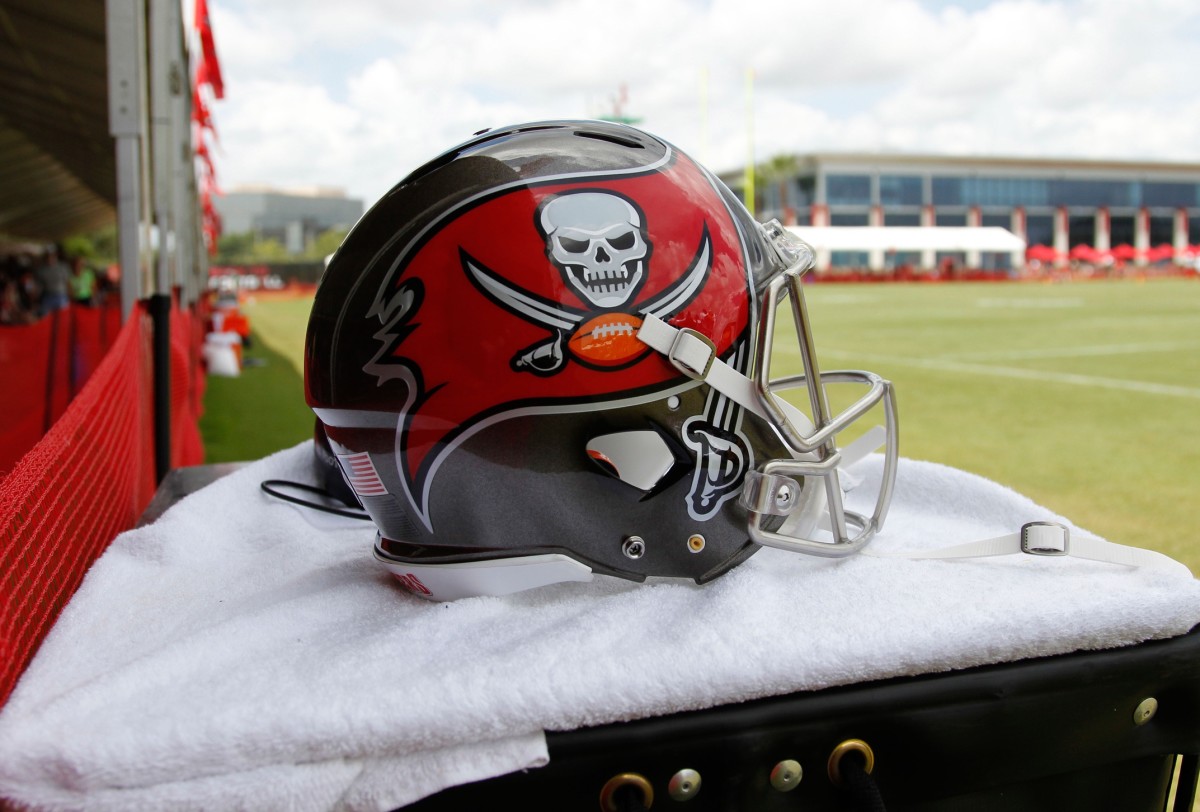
column 1116, row 729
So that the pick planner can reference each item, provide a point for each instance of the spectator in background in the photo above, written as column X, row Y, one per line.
column 83, row 282
column 54, row 278
column 11, row 310
column 17, row 291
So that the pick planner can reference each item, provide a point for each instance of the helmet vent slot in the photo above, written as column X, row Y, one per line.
column 613, row 139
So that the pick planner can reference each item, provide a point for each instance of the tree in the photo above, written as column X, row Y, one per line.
column 233, row 248
column 326, row 243
column 779, row 170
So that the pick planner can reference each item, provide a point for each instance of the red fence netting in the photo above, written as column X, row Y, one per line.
column 187, row 386
column 45, row 365
column 88, row 479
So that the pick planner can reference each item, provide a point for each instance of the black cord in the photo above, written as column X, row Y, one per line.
column 860, row 785
column 629, row 799
column 269, row 487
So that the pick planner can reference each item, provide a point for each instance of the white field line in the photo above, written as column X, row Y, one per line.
column 1075, row 352
column 950, row 365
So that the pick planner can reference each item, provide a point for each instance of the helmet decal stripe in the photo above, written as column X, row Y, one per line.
column 723, row 452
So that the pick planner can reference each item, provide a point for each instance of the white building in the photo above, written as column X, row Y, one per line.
column 291, row 216
column 1126, row 207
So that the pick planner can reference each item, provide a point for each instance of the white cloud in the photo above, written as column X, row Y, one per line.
column 358, row 92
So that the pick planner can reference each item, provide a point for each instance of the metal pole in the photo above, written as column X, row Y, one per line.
column 160, row 317
column 126, row 88
column 163, row 65
column 164, row 85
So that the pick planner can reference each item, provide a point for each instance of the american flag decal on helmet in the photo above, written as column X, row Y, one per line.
column 361, row 474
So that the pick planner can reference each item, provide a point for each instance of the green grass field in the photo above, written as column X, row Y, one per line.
column 263, row 409
column 1083, row 396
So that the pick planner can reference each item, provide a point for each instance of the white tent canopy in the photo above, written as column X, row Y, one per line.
column 909, row 238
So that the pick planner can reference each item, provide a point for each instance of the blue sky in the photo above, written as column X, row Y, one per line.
column 355, row 93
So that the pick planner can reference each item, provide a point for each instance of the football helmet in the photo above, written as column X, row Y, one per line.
column 547, row 354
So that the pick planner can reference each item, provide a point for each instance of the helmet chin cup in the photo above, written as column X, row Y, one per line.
column 812, row 443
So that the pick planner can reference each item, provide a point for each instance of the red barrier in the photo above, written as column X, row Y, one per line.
column 92, row 474
column 46, row 364
column 85, row 481
column 187, row 387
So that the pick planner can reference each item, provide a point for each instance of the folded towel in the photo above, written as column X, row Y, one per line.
column 235, row 655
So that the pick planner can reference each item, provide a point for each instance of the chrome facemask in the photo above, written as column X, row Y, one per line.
column 772, row 492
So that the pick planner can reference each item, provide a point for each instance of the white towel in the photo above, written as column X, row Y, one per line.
column 235, row 656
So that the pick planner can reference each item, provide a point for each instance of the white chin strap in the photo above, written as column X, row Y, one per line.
column 695, row 355
column 1049, row 539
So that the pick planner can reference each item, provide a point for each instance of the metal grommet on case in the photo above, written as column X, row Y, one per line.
column 684, row 785
column 849, row 746
column 1145, row 711
column 786, row 775
column 621, row 781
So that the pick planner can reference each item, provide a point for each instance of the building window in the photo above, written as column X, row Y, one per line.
column 1120, row 231
column 995, row 220
column 841, row 218
column 1169, row 194
column 950, row 218
column 995, row 261
column 848, row 259
column 1081, row 230
column 1008, row 192
column 1162, row 230
column 895, row 260
column 848, row 190
column 948, row 192
column 901, row 218
column 900, row 190
column 768, row 199
column 1039, row 229
column 804, row 191
column 1093, row 193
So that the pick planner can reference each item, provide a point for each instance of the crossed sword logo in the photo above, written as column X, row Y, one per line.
column 546, row 357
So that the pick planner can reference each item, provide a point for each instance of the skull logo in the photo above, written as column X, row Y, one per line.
column 598, row 242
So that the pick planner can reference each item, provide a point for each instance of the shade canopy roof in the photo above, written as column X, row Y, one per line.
column 57, row 159
column 909, row 238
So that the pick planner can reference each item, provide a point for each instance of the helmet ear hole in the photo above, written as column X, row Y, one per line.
column 641, row 459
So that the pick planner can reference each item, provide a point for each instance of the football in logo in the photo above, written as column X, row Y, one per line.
column 608, row 340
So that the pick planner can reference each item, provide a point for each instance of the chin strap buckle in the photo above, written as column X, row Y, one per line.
column 692, row 353
column 1045, row 538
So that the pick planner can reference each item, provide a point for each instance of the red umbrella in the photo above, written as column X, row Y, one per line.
column 1084, row 252
column 1124, row 252
column 1160, row 253
column 1041, row 253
